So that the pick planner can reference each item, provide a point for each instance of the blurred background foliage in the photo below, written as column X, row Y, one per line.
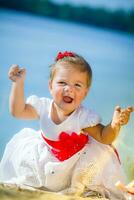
column 114, row 19
column 129, row 169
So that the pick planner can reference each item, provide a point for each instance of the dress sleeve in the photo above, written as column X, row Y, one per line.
column 35, row 102
column 41, row 105
column 88, row 118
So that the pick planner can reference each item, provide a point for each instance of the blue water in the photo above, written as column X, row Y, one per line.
column 33, row 42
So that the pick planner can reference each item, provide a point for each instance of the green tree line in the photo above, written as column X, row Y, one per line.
column 119, row 19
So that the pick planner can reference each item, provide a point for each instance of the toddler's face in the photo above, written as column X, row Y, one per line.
column 68, row 88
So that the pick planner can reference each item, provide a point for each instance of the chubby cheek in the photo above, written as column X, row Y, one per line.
column 52, row 88
column 78, row 100
column 80, row 97
column 56, row 92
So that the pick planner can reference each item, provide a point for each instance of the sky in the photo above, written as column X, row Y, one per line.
column 113, row 4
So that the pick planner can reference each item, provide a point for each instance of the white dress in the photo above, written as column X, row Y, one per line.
column 28, row 159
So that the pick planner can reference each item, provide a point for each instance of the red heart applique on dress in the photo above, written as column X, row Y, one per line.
column 67, row 144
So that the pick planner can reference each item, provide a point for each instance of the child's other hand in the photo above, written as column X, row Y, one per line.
column 16, row 73
column 121, row 116
column 126, row 188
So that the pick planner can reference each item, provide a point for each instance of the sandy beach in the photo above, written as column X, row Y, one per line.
column 12, row 192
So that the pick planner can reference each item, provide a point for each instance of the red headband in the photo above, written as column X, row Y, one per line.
column 61, row 55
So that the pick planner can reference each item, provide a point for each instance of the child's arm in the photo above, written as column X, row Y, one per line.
column 107, row 134
column 17, row 104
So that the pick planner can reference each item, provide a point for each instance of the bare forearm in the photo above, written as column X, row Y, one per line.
column 104, row 134
column 17, row 100
column 109, row 133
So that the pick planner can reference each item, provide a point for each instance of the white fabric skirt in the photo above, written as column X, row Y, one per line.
column 28, row 160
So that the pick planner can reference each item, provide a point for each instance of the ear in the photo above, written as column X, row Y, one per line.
column 50, row 86
column 87, row 91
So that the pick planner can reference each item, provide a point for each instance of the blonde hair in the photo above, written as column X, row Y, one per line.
column 77, row 61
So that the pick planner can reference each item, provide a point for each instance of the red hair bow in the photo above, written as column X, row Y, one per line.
column 64, row 54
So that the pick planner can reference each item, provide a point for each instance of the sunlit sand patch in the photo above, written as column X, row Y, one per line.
column 14, row 192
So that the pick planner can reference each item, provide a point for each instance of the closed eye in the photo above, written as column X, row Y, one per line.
column 78, row 85
column 62, row 83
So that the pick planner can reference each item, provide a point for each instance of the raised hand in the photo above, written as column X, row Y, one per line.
column 16, row 73
column 121, row 116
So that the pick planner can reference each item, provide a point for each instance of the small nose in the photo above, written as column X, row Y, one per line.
column 69, row 88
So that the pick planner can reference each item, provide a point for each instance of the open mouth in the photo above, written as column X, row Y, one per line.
column 67, row 99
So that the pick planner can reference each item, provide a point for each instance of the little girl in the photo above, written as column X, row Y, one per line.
column 72, row 149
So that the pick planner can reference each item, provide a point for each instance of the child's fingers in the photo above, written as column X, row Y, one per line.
column 13, row 70
column 130, row 109
column 121, row 116
column 120, row 185
column 125, row 188
column 118, row 108
column 21, row 71
column 14, row 67
column 123, row 121
column 16, row 70
column 125, row 113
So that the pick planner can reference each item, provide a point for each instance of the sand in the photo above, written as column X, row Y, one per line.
column 12, row 192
